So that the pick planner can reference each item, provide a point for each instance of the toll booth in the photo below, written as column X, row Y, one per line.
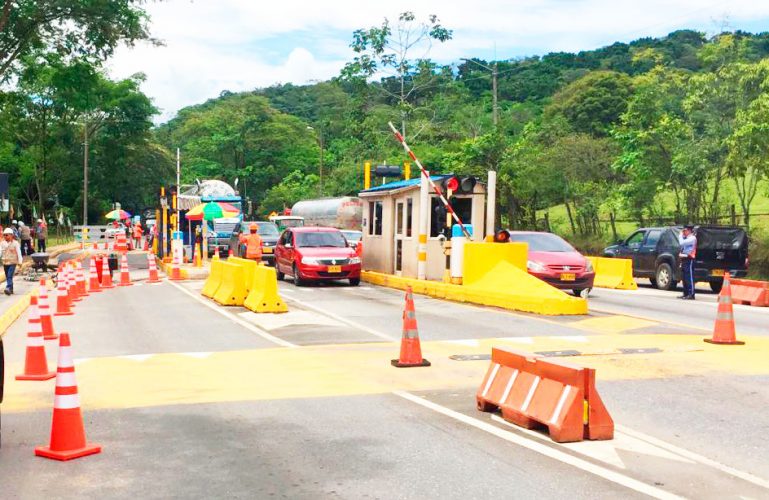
column 391, row 226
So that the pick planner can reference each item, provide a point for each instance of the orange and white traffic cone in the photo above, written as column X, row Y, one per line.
column 75, row 288
column 411, row 350
column 125, row 278
column 153, row 269
column 44, row 307
column 106, row 277
column 93, row 277
column 71, row 286
column 35, row 362
column 82, row 281
column 62, row 300
column 67, row 430
column 724, row 330
column 176, row 272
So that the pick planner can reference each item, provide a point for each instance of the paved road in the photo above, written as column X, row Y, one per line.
column 193, row 400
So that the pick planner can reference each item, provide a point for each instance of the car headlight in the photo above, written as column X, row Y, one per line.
column 355, row 260
column 309, row 261
column 533, row 265
column 588, row 266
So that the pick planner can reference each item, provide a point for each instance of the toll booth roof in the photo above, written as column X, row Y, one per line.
column 391, row 186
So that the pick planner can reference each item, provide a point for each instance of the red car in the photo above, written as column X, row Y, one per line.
column 555, row 262
column 316, row 254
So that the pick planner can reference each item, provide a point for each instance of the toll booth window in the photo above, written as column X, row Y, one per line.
column 375, row 218
column 399, row 218
column 463, row 207
column 409, row 212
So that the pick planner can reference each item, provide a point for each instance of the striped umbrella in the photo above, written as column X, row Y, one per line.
column 118, row 215
column 212, row 210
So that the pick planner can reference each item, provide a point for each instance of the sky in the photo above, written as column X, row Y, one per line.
column 214, row 45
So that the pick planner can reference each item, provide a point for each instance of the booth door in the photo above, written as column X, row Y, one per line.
column 400, row 232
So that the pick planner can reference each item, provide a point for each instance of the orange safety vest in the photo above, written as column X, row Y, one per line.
column 253, row 245
column 359, row 249
column 138, row 231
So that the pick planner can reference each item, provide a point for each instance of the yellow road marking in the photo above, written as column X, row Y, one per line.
column 343, row 370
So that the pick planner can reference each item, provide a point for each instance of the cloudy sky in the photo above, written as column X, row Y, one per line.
column 216, row 45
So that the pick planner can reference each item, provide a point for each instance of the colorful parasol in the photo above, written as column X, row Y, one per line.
column 212, row 210
column 118, row 215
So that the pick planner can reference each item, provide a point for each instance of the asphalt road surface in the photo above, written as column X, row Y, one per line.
column 189, row 399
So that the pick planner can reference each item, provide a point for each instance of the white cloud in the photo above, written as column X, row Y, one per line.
column 215, row 45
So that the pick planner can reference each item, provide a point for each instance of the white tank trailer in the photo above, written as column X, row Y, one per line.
column 341, row 213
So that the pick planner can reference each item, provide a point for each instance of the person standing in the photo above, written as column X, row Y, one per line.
column 137, row 234
column 42, row 235
column 10, row 252
column 688, row 253
column 26, row 239
column 253, row 243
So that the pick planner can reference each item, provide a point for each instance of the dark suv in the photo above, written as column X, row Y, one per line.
column 654, row 251
column 268, row 231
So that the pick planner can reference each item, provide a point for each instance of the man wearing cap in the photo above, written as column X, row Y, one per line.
column 688, row 242
column 253, row 243
column 10, row 253
column 42, row 235
column 25, row 235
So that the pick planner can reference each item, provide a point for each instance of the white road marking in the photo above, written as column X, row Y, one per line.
column 746, row 476
column 297, row 317
column 604, row 451
column 227, row 314
column 344, row 320
column 555, row 454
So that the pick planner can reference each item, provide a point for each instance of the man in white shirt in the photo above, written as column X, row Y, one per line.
column 688, row 253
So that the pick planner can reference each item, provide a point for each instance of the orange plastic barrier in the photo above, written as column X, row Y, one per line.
column 750, row 292
column 533, row 392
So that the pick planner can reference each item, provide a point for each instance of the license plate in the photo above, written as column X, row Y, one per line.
column 266, row 250
column 717, row 272
column 335, row 269
column 568, row 277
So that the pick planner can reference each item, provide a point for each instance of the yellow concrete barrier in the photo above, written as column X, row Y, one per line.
column 505, row 286
column 214, row 279
column 232, row 291
column 264, row 296
column 482, row 257
column 249, row 267
column 613, row 273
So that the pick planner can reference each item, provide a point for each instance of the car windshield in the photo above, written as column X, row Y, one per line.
column 320, row 239
column 352, row 235
column 265, row 228
column 542, row 242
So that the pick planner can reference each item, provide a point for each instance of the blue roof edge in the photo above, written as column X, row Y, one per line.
column 402, row 184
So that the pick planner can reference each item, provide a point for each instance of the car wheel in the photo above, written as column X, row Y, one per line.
column 279, row 274
column 297, row 280
column 716, row 286
column 653, row 281
column 581, row 292
column 354, row 281
column 664, row 277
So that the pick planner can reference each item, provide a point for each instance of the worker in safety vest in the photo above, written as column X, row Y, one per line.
column 137, row 234
column 253, row 243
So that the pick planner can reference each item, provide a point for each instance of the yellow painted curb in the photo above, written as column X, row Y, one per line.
column 12, row 313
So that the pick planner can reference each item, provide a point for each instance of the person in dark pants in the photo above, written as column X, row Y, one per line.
column 688, row 242
column 10, row 252
column 41, row 231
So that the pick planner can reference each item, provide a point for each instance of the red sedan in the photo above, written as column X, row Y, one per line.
column 316, row 254
column 555, row 262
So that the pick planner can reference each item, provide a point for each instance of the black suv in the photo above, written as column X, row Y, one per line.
column 654, row 251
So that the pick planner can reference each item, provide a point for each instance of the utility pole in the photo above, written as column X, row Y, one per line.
column 178, row 188
column 85, row 173
column 494, row 74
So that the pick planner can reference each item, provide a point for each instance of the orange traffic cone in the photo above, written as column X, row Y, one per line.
column 93, row 278
column 153, row 269
column 67, row 431
column 71, row 286
column 106, row 277
column 35, row 362
column 82, row 283
column 62, row 301
column 724, row 330
column 125, row 278
column 411, row 351
column 176, row 272
column 44, row 307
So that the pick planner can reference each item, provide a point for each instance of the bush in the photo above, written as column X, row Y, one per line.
column 759, row 256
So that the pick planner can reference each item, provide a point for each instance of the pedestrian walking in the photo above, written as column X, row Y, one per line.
column 137, row 235
column 10, row 253
column 253, row 243
column 42, row 235
column 25, row 234
column 687, row 255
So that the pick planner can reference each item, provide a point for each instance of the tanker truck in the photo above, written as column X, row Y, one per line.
column 342, row 213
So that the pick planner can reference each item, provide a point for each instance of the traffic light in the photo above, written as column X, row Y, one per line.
column 459, row 185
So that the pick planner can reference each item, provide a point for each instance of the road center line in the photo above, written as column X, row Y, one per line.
column 609, row 475
column 343, row 320
column 245, row 324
